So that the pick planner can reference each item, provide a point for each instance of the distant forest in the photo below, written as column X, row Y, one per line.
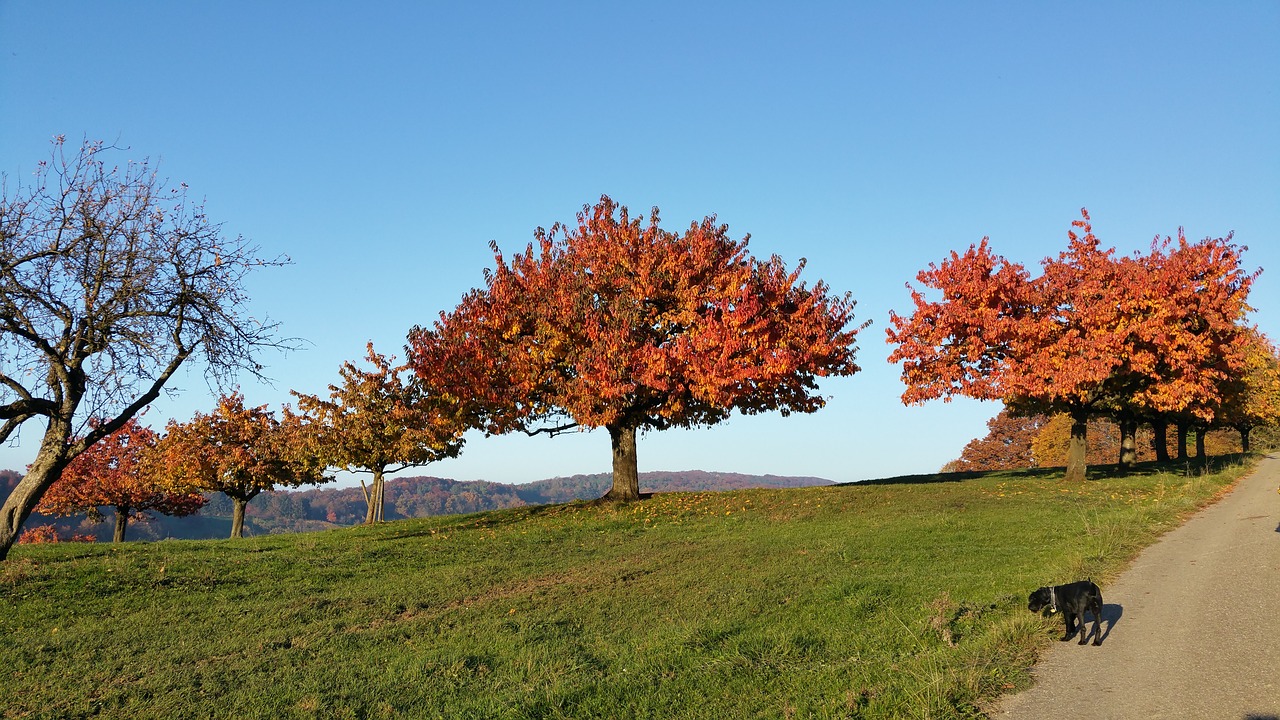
column 409, row 497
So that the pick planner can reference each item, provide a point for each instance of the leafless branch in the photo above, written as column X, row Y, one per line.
column 551, row 431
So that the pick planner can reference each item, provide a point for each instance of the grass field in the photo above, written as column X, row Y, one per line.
column 876, row 600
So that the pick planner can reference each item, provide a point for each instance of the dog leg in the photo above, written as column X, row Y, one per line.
column 1097, row 619
column 1069, row 618
column 1084, row 628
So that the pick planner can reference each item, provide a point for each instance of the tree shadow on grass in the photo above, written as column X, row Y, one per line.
column 1096, row 472
column 1025, row 474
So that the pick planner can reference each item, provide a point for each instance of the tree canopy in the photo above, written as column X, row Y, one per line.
column 111, row 474
column 238, row 451
column 1252, row 399
column 1093, row 334
column 378, row 423
column 617, row 323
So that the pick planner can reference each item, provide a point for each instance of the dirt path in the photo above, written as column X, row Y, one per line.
column 1192, row 628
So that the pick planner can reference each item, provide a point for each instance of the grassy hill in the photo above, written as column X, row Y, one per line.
column 898, row 598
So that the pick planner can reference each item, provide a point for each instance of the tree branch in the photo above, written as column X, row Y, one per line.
column 12, row 424
column 551, row 431
column 133, row 408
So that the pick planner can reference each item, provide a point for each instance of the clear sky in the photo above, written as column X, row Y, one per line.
column 382, row 145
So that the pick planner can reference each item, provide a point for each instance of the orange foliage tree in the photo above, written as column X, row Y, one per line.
column 377, row 423
column 238, row 451
column 1093, row 334
column 39, row 535
column 110, row 474
column 617, row 323
column 1191, row 352
column 1253, row 399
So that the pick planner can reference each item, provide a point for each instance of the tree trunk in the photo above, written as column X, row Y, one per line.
column 1200, row 433
column 1244, row 438
column 1183, row 429
column 1076, row 453
column 237, row 516
column 122, row 523
column 368, row 503
column 42, row 473
column 1161, row 431
column 374, row 498
column 1128, row 442
column 380, row 497
column 626, row 473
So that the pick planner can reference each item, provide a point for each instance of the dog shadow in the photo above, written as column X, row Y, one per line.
column 1111, row 614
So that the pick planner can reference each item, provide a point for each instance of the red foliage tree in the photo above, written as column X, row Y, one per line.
column 39, row 535
column 110, row 474
column 1006, row 446
column 1093, row 334
column 619, row 324
column 238, row 451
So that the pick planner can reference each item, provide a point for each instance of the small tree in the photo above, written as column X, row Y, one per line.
column 617, row 323
column 109, row 281
column 237, row 451
column 378, row 424
column 1253, row 399
column 1006, row 446
column 110, row 474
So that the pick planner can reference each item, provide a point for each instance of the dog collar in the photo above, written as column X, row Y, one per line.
column 1053, row 601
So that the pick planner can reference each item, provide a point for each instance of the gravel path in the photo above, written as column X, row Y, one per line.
column 1192, row 628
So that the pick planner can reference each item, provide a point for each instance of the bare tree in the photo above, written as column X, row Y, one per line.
column 109, row 281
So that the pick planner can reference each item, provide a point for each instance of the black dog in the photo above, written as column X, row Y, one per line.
column 1073, row 600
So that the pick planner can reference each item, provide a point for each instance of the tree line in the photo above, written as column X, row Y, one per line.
column 110, row 280
column 1160, row 338
column 1017, row 442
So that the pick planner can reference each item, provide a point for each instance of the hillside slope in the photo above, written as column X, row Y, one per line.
column 409, row 497
column 891, row 599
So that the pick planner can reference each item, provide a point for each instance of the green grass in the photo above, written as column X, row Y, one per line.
column 877, row 600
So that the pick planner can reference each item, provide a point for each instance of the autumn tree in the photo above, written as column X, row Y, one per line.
column 110, row 280
column 238, row 451
column 1042, row 345
column 619, row 324
column 1006, row 446
column 1053, row 441
column 1093, row 334
column 1252, row 399
column 377, row 423
column 110, row 474
column 1193, row 348
column 1013, row 442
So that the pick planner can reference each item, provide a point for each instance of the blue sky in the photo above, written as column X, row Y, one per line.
column 382, row 145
